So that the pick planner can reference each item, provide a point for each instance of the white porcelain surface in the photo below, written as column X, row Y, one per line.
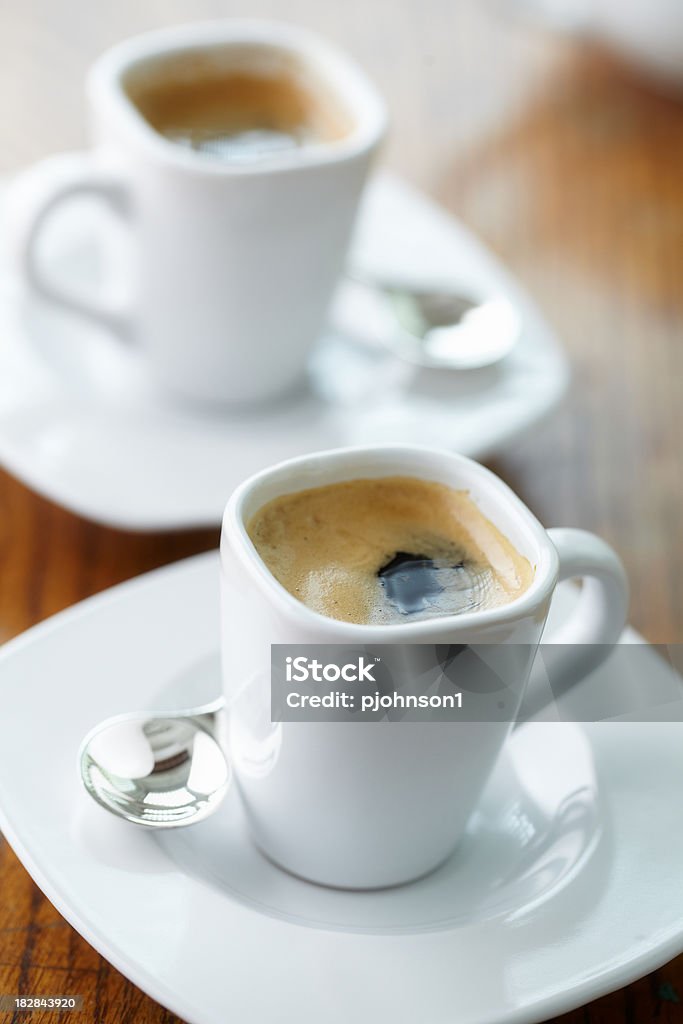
column 232, row 265
column 378, row 803
column 567, row 886
column 80, row 423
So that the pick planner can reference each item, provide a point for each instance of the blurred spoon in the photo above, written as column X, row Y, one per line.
column 445, row 328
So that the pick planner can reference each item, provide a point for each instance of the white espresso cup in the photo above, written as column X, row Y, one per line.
column 234, row 264
column 371, row 804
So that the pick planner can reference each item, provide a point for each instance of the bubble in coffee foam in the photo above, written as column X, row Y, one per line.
column 387, row 550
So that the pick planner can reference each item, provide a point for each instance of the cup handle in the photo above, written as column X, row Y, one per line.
column 33, row 197
column 587, row 638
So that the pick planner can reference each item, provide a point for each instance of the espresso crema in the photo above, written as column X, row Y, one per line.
column 387, row 550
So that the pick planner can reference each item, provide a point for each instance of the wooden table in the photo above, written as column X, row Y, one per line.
column 573, row 172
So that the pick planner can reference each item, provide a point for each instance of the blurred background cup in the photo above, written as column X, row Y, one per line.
column 234, row 263
column 647, row 33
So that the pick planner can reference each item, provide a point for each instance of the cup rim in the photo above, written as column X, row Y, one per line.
column 105, row 90
column 234, row 533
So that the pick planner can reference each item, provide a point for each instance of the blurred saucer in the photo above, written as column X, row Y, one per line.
column 80, row 423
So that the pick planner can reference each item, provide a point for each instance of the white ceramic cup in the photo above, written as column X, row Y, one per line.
column 370, row 804
column 234, row 264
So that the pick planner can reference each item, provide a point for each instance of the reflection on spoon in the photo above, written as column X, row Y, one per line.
column 447, row 328
column 157, row 770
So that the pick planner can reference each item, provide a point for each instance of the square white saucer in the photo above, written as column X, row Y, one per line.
column 80, row 423
column 567, row 885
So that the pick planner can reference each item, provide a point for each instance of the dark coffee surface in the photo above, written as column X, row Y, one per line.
column 413, row 583
column 387, row 550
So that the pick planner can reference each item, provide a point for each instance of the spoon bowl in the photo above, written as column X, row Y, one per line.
column 158, row 770
column 445, row 328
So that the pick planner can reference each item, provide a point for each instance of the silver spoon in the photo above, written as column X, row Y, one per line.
column 160, row 770
column 446, row 328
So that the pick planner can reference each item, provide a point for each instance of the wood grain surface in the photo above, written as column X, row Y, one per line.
column 571, row 169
